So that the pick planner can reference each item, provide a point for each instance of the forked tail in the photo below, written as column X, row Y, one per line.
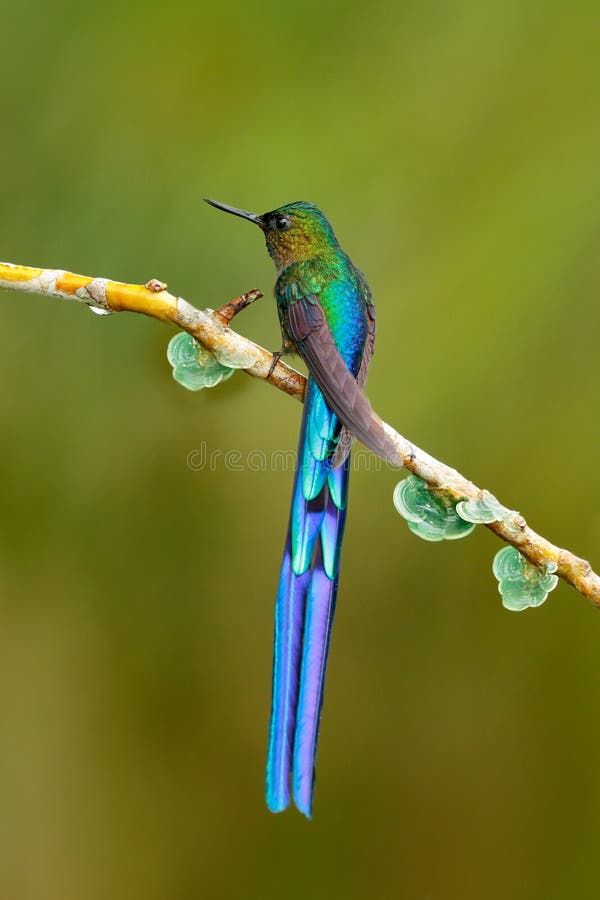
column 305, row 607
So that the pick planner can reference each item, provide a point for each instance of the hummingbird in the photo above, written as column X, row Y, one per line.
column 327, row 317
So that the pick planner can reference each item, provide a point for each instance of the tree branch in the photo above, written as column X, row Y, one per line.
column 211, row 329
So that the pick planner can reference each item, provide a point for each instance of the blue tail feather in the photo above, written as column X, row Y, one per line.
column 289, row 622
column 304, row 610
column 306, row 520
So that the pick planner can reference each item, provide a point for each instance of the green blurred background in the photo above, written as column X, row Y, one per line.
column 455, row 146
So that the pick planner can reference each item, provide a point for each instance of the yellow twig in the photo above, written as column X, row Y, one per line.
column 152, row 299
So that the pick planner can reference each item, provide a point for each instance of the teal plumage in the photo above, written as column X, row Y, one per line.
column 309, row 582
column 327, row 316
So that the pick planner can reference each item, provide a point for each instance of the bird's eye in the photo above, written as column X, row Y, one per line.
column 281, row 223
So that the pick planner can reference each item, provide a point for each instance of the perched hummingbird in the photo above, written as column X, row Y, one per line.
column 328, row 318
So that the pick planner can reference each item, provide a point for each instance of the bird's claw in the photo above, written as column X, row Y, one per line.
column 276, row 357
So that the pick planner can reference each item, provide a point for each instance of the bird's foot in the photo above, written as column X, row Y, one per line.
column 276, row 357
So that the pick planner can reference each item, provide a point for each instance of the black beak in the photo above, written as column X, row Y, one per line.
column 252, row 217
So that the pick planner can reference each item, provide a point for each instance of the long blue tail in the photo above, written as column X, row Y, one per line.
column 305, row 606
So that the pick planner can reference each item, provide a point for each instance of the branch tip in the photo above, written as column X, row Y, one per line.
column 230, row 310
column 155, row 286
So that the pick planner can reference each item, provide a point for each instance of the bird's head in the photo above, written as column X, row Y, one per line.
column 292, row 232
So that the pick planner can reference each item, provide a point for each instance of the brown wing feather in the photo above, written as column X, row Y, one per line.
column 310, row 332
